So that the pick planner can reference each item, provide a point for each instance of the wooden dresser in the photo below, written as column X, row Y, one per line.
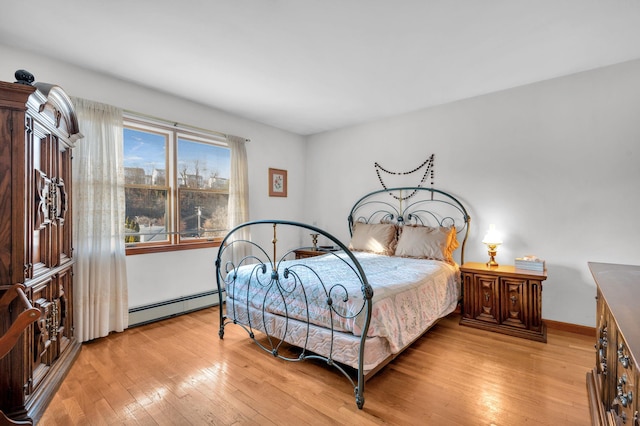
column 38, row 128
column 614, row 384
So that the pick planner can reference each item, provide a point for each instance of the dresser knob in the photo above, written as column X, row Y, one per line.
column 623, row 417
column 624, row 359
column 603, row 368
column 625, row 398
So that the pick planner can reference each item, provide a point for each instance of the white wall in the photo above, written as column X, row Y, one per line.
column 164, row 276
column 554, row 165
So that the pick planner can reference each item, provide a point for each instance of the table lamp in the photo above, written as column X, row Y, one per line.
column 492, row 239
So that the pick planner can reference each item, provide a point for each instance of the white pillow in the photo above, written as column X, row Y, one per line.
column 427, row 242
column 378, row 238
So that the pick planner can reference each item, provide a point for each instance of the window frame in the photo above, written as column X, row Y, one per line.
column 173, row 132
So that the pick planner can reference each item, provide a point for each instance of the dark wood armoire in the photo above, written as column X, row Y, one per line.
column 38, row 129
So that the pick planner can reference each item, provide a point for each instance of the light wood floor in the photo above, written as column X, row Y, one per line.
column 178, row 372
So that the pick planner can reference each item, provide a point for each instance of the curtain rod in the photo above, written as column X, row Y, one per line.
column 175, row 124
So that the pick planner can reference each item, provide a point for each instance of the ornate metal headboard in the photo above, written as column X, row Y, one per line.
column 415, row 206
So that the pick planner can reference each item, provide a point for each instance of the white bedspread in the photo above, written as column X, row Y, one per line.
column 409, row 294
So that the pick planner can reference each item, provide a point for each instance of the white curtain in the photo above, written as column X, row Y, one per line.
column 100, row 280
column 239, row 193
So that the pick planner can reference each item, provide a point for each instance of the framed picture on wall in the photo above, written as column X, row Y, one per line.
column 277, row 183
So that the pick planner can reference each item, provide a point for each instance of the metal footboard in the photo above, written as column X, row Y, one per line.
column 283, row 299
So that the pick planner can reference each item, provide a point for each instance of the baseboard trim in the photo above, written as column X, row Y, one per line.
column 572, row 328
column 183, row 305
column 146, row 314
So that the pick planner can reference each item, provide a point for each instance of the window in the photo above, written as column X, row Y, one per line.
column 176, row 187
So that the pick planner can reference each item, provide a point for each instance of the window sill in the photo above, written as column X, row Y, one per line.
column 146, row 249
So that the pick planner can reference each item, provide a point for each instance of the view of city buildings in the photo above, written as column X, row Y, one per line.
column 196, row 197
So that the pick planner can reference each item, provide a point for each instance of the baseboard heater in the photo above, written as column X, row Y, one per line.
column 170, row 308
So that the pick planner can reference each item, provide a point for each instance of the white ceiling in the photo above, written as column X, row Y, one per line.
column 309, row 66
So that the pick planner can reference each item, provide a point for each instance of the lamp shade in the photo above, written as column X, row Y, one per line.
column 492, row 237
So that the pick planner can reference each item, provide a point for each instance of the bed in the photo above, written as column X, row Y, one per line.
column 354, row 306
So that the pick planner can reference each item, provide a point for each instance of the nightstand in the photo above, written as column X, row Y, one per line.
column 302, row 253
column 503, row 299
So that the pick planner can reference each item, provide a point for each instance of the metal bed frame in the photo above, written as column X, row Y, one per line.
column 282, row 282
